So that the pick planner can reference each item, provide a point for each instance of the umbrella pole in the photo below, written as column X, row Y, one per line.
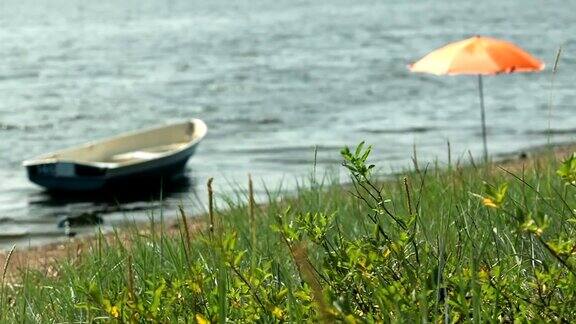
column 483, row 116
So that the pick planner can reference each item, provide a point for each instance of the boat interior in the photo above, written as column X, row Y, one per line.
column 131, row 148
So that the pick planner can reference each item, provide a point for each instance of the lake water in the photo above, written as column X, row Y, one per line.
column 272, row 79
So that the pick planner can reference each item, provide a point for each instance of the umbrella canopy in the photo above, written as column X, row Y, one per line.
column 478, row 56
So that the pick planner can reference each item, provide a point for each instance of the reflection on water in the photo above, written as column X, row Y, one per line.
column 272, row 80
column 68, row 214
column 127, row 193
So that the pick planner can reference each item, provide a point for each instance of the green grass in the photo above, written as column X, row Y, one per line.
column 438, row 245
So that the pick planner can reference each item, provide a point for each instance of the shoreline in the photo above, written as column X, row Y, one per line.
column 42, row 257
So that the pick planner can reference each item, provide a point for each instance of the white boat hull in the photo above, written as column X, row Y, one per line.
column 133, row 158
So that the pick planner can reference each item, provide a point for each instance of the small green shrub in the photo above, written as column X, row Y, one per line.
column 464, row 244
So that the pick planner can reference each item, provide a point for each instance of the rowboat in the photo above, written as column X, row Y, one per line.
column 154, row 153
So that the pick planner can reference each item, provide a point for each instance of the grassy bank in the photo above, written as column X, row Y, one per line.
column 486, row 243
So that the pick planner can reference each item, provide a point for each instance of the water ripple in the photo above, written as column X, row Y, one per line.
column 272, row 80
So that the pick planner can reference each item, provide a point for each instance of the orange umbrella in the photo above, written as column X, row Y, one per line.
column 480, row 56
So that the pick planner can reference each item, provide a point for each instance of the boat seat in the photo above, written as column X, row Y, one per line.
column 144, row 154
column 164, row 148
column 136, row 155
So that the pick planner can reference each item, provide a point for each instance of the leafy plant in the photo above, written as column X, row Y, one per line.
column 414, row 247
column 567, row 169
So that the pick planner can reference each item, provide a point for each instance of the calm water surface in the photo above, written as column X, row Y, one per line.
column 272, row 79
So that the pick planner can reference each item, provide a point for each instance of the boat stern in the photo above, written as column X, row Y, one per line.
column 66, row 176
